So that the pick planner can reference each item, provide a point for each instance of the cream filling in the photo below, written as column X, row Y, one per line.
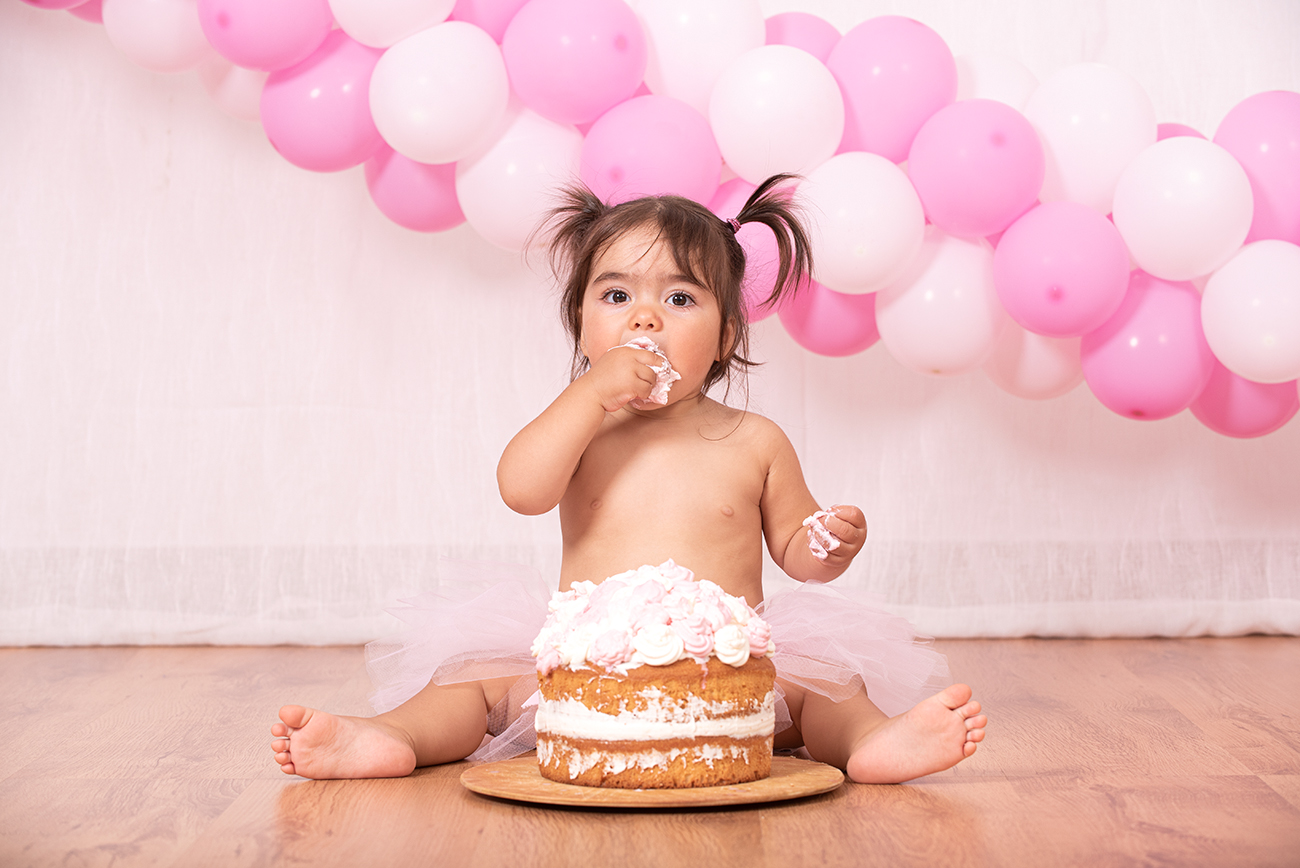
column 578, row 761
column 572, row 719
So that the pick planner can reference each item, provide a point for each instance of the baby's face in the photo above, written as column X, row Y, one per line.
column 636, row 291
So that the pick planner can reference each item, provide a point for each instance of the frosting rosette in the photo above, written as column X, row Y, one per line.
column 652, row 616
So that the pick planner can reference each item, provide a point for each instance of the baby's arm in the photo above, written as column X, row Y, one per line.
column 536, row 466
column 786, row 504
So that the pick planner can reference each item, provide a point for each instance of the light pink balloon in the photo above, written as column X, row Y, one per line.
column 1061, row 270
column 572, row 60
column 265, row 34
column 1263, row 133
column 830, row 323
column 761, row 256
column 977, row 165
column 649, row 146
column 494, row 16
column 1236, row 407
column 1150, row 360
column 815, row 35
column 89, row 10
column 894, row 73
column 53, row 4
column 1172, row 131
column 419, row 196
column 317, row 112
column 1034, row 366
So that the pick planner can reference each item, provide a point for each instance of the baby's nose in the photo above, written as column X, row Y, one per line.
column 645, row 319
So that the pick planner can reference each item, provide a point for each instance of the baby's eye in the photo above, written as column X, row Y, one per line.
column 615, row 296
column 681, row 299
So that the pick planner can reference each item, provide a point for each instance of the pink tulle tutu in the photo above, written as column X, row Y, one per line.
column 827, row 641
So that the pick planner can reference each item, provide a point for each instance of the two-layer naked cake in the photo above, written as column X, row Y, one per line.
column 654, row 679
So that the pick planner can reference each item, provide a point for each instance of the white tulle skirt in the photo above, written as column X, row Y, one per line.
column 827, row 642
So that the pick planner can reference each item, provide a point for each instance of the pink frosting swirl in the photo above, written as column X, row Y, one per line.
column 697, row 636
column 610, row 648
column 548, row 661
column 759, row 636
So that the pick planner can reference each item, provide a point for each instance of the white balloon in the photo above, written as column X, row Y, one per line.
column 381, row 23
column 690, row 42
column 436, row 95
column 506, row 189
column 236, row 91
column 1034, row 366
column 943, row 316
column 160, row 35
column 1183, row 206
column 990, row 76
column 1250, row 311
column 1093, row 120
column 865, row 221
column 776, row 109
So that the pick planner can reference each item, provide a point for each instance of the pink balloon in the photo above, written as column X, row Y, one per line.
column 419, row 196
column 317, row 112
column 894, row 73
column 761, row 256
column 1061, row 270
column 817, row 36
column 494, row 16
column 1263, row 133
column 572, row 60
column 265, row 34
column 649, row 146
column 1170, row 131
column 1150, row 360
column 830, row 323
column 1237, row 407
column 89, row 10
column 977, row 165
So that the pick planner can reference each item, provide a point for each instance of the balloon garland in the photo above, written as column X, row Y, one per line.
column 1046, row 233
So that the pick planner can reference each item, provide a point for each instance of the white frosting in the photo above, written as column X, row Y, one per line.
column 821, row 542
column 731, row 644
column 569, row 717
column 579, row 761
column 665, row 376
column 659, row 645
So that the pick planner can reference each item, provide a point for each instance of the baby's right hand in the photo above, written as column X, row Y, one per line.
column 622, row 375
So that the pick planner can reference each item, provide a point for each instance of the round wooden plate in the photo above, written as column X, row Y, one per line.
column 520, row 780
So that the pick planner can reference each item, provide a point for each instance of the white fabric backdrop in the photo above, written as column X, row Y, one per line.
column 239, row 405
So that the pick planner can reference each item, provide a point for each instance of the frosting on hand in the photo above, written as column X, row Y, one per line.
column 821, row 542
column 665, row 376
column 653, row 616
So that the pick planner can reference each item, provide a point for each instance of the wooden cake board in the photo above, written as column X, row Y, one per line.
column 519, row 779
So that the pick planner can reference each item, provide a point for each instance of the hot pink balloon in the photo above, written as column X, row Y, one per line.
column 572, row 60
column 265, row 34
column 1061, row 270
column 894, row 73
column 89, row 10
column 761, row 256
column 419, row 196
column 649, row 146
column 815, row 35
column 1263, row 133
column 977, row 165
column 317, row 112
column 1237, row 407
column 830, row 323
column 494, row 16
column 1170, row 131
column 1150, row 360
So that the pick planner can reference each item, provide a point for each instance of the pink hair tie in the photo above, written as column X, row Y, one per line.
column 734, row 224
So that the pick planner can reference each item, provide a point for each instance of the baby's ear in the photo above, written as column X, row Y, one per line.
column 727, row 345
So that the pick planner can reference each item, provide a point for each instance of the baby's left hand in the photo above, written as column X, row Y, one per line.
column 836, row 534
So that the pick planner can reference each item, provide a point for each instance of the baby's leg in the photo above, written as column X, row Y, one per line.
column 854, row 735
column 441, row 723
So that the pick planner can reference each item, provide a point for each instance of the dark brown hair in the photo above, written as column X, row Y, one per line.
column 703, row 245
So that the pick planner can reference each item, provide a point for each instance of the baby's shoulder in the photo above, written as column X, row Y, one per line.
column 756, row 431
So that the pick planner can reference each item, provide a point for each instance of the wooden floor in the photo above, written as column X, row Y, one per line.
column 1099, row 753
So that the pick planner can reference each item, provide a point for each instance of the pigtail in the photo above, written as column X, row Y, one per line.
column 563, row 233
column 771, row 204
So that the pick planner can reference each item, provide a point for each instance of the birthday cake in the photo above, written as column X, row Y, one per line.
column 654, row 679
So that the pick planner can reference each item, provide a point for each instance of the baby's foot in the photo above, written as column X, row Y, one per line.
column 936, row 734
column 315, row 744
